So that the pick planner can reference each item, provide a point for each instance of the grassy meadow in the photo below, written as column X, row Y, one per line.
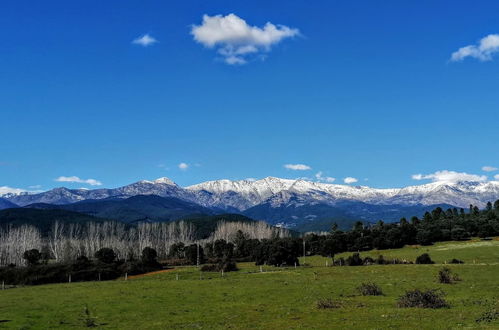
column 277, row 298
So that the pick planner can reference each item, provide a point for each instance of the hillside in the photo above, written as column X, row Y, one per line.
column 135, row 209
column 5, row 204
column 43, row 219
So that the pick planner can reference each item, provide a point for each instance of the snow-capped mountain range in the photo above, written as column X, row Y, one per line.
column 271, row 194
column 243, row 194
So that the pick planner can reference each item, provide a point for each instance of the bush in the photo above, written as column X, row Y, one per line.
column 370, row 289
column 380, row 260
column 32, row 257
column 368, row 261
column 446, row 276
column 456, row 261
column 354, row 260
column 327, row 303
column 340, row 262
column 226, row 267
column 424, row 259
column 105, row 255
column 489, row 316
column 149, row 256
column 229, row 266
column 431, row 298
column 209, row 268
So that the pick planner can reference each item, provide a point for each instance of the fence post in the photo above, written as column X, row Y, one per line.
column 126, row 276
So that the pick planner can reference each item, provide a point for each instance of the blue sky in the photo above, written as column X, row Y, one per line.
column 365, row 89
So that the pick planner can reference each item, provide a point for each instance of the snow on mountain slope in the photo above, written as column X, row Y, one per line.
column 163, row 187
column 244, row 194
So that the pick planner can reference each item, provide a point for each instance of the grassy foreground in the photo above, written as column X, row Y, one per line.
column 273, row 299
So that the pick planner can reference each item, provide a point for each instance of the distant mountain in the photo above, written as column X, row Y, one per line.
column 292, row 210
column 245, row 194
column 43, row 219
column 6, row 204
column 284, row 201
column 134, row 209
column 161, row 187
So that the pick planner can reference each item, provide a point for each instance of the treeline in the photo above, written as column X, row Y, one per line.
column 435, row 226
column 68, row 242
column 103, row 266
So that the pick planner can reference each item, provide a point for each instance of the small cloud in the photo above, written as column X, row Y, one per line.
column 250, row 179
column 145, row 40
column 297, row 167
column 183, row 166
column 489, row 168
column 349, row 180
column 75, row 179
column 235, row 40
column 483, row 51
column 8, row 190
column 321, row 178
column 37, row 186
column 496, row 177
column 450, row 177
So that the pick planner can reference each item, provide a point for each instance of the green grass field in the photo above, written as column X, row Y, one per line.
column 274, row 299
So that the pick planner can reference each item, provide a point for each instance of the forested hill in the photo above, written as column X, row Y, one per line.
column 435, row 226
column 5, row 204
column 135, row 209
column 43, row 219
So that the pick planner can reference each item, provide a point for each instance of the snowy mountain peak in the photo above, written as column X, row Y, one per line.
column 243, row 194
column 165, row 180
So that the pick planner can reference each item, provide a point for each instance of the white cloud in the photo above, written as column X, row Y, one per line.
column 496, row 177
column 8, row 190
column 37, row 186
column 235, row 40
column 483, row 51
column 145, row 40
column 349, row 180
column 450, row 177
column 321, row 178
column 489, row 168
column 75, row 179
column 297, row 167
column 183, row 166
